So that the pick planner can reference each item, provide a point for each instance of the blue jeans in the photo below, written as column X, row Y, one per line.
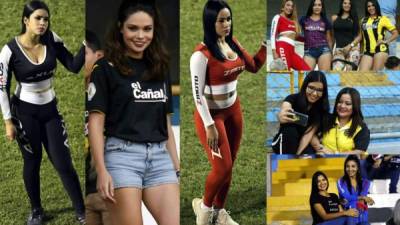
column 139, row 165
column 345, row 220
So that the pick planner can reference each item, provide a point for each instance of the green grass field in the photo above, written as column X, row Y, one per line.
column 246, row 199
column 67, row 20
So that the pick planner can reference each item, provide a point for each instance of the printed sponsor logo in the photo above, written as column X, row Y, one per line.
column 283, row 56
column 369, row 26
column 216, row 153
column 42, row 74
column 91, row 91
column 148, row 95
column 197, row 89
column 315, row 28
column 234, row 70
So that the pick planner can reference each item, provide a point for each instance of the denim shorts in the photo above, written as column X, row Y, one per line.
column 317, row 51
column 139, row 165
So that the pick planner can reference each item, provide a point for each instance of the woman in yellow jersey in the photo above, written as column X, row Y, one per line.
column 373, row 27
column 346, row 131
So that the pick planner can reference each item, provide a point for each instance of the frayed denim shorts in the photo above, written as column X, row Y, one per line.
column 139, row 165
column 317, row 51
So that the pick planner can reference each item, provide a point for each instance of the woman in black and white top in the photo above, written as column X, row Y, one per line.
column 325, row 207
column 31, row 115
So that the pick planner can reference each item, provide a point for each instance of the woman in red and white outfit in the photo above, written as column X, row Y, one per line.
column 215, row 66
column 284, row 31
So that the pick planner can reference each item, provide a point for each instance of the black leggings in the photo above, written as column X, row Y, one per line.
column 39, row 125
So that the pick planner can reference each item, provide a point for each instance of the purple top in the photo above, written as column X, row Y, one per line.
column 315, row 32
column 352, row 197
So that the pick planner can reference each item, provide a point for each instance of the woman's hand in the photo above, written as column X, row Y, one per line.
column 286, row 115
column 324, row 150
column 369, row 200
column 274, row 54
column 347, row 49
column 10, row 130
column 105, row 185
column 379, row 42
column 212, row 137
column 351, row 212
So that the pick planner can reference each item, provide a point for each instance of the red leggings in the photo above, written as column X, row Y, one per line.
column 229, row 123
column 290, row 57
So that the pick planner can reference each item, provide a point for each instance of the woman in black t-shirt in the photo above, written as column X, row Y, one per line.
column 129, row 98
column 325, row 207
column 295, row 131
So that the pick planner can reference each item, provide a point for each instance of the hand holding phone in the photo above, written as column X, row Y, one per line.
column 300, row 118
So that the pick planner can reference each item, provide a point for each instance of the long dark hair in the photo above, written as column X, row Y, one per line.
column 155, row 54
column 92, row 41
column 346, row 177
column 29, row 8
column 323, row 13
column 314, row 182
column 210, row 13
column 320, row 109
column 356, row 117
column 377, row 8
column 353, row 15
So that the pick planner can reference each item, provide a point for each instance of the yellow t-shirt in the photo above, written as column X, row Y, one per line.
column 337, row 141
column 373, row 29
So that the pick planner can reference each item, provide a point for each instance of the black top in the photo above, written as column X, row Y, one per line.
column 135, row 108
column 362, row 138
column 330, row 205
column 343, row 30
column 27, row 71
column 296, row 101
column 14, row 60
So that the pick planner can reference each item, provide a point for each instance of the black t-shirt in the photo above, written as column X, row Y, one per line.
column 135, row 108
column 295, row 101
column 330, row 205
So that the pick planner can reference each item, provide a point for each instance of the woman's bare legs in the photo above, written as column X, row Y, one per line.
column 311, row 62
column 365, row 63
column 379, row 61
column 163, row 203
column 127, row 209
column 324, row 62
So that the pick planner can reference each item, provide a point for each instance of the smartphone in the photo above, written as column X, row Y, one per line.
column 300, row 118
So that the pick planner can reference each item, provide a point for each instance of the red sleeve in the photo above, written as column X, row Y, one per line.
column 253, row 64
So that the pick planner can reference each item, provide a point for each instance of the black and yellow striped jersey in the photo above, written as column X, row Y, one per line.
column 373, row 29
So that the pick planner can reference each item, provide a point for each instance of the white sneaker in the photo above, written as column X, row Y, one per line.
column 224, row 218
column 203, row 216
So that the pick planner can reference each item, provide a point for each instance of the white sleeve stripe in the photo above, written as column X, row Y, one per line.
column 56, row 37
column 274, row 26
column 198, row 68
column 5, row 56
